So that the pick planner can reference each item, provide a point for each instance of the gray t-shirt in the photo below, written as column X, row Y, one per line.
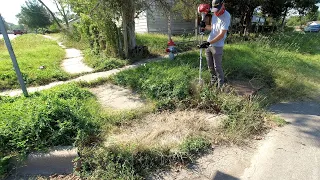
column 219, row 23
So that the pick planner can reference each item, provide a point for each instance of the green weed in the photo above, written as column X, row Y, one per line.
column 157, row 43
column 194, row 146
column 279, row 121
column 133, row 163
column 65, row 115
column 103, row 63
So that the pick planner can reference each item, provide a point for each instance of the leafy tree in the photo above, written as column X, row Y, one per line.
column 52, row 14
column 6, row 25
column 295, row 21
column 64, row 10
column 312, row 14
column 101, row 20
column 305, row 7
column 277, row 9
column 34, row 15
column 244, row 10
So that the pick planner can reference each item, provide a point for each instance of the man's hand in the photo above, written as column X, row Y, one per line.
column 204, row 45
column 203, row 24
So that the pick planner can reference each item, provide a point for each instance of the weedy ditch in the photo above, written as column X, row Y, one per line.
column 131, row 163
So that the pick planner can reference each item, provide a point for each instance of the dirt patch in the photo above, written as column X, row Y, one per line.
column 246, row 88
column 166, row 130
column 112, row 96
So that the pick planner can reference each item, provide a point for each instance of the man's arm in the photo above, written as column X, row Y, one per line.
column 208, row 27
column 219, row 37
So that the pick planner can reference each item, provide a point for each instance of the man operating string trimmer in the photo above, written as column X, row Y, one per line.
column 214, row 45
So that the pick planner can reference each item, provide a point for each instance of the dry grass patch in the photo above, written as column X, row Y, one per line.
column 166, row 130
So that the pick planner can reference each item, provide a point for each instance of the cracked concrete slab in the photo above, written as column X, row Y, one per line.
column 57, row 161
column 112, row 96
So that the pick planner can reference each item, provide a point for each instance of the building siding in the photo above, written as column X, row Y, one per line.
column 154, row 21
column 158, row 23
column 141, row 23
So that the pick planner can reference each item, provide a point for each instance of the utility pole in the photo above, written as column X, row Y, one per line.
column 13, row 57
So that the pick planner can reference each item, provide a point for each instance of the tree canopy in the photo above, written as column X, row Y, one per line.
column 34, row 15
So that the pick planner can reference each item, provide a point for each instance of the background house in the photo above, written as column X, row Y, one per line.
column 154, row 20
column 258, row 20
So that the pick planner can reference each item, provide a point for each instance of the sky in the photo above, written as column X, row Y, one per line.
column 10, row 8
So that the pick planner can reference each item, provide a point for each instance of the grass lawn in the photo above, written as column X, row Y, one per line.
column 32, row 51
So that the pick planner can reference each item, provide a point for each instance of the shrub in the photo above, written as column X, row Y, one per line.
column 57, row 117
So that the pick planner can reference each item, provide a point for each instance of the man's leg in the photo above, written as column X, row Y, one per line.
column 209, row 56
column 217, row 59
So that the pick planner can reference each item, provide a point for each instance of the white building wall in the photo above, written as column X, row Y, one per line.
column 141, row 23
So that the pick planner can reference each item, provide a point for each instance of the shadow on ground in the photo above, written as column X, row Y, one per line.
column 222, row 176
column 305, row 116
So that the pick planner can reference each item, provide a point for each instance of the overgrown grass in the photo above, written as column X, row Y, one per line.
column 157, row 43
column 289, row 70
column 133, row 163
column 103, row 63
column 32, row 51
column 285, row 74
column 171, row 85
column 65, row 115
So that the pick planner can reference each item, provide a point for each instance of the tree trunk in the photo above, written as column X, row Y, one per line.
column 170, row 25
column 52, row 14
column 283, row 18
column 62, row 11
column 196, row 26
column 128, row 24
column 248, row 19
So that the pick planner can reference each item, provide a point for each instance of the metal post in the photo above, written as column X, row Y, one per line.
column 13, row 57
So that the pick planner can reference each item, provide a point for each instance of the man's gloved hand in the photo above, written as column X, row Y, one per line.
column 204, row 45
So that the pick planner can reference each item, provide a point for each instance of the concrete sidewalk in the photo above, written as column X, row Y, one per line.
column 291, row 152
